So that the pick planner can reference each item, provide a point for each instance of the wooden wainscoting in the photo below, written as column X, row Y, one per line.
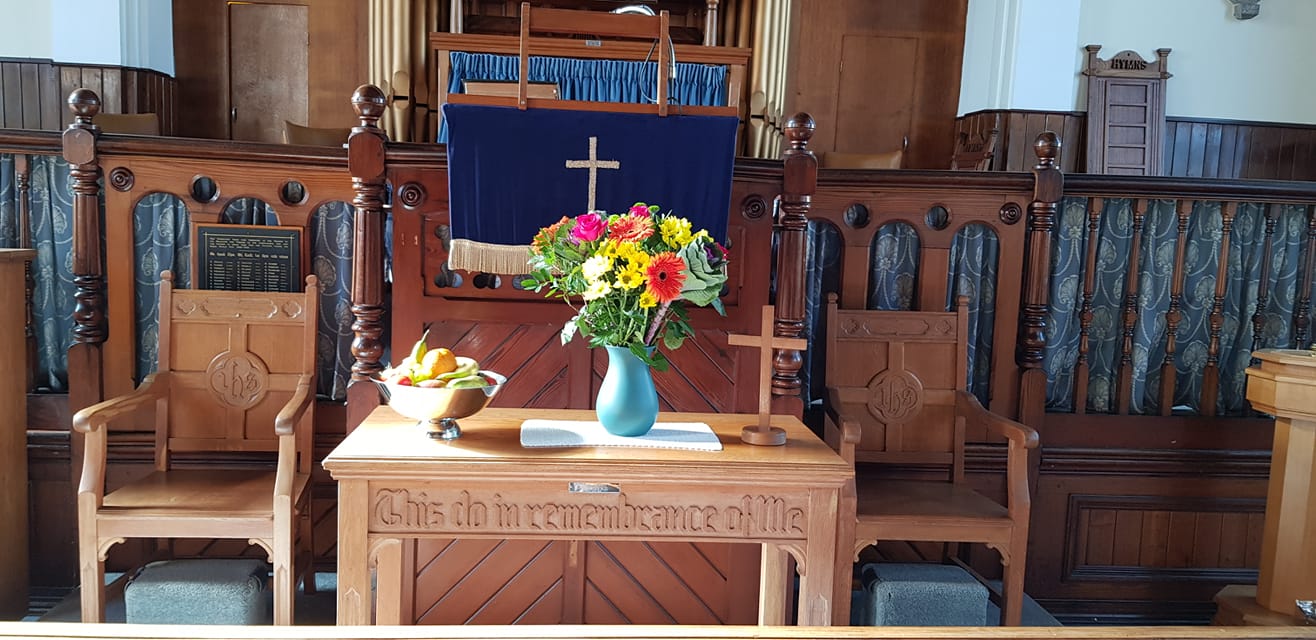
column 1194, row 147
column 35, row 90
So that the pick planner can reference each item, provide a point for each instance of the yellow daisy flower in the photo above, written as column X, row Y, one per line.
column 676, row 232
column 647, row 301
column 630, row 278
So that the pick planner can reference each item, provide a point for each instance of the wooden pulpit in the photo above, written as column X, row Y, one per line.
column 1283, row 384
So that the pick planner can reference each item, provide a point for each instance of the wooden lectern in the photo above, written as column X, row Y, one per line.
column 13, row 435
column 1283, row 384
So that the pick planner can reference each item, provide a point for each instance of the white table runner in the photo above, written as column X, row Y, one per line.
column 694, row 436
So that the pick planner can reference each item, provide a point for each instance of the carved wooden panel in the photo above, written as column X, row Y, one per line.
column 573, row 581
column 1151, row 533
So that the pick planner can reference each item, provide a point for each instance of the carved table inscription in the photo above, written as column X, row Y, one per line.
column 449, row 511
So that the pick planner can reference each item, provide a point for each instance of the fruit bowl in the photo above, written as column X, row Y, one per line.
column 437, row 409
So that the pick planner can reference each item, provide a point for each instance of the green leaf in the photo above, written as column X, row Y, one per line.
column 674, row 338
column 717, row 305
column 658, row 362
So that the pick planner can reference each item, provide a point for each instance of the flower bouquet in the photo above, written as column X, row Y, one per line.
column 629, row 277
column 633, row 273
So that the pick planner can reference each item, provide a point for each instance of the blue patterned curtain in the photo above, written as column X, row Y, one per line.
column 974, row 257
column 331, row 255
column 1155, row 270
column 51, row 228
column 893, row 274
column 593, row 80
column 161, row 240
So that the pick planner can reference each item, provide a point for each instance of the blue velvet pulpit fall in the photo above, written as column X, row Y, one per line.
column 511, row 172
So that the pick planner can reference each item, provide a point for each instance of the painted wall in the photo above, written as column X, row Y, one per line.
column 148, row 34
column 25, row 30
column 1257, row 69
column 1028, row 54
column 85, row 32
column 1009, row 55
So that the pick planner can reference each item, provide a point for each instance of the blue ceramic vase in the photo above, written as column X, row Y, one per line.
column 627, row 404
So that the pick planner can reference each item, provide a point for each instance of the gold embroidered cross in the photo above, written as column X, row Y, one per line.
column 764, row 432
column 593, row 164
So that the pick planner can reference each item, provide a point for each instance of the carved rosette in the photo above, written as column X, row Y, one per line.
column 1011, row 213
column 753, row 207
column 895, row 396
column 411, row 195
column 122, row 179
column 238, row 379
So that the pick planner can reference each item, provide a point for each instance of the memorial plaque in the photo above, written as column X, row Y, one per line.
column 238, row 257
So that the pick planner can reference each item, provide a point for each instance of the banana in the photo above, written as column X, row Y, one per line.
column 475, row 380
column 418, row 350
column 465, row 367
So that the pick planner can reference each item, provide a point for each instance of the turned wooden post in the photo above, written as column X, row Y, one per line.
column 1048, row 187
column 85, row 375
column 23, row 185
column 365, row 162
column 799, row 181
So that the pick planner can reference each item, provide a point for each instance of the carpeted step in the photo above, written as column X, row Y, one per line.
column 199, row 591
column 924, row 594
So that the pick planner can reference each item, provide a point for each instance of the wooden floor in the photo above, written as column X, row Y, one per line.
column 608, row 632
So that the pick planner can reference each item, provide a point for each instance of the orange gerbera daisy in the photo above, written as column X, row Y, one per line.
column 630, row 228
column 666, row 276
column 547, row 235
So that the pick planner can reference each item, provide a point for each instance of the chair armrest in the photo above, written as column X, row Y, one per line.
column 1021, row 435
column 154, row 387
column 292, row 412
column 850, row 432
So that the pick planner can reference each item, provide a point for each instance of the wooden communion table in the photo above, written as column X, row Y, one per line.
column 394, row 482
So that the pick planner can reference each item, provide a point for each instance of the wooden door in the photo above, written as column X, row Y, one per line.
column 269, row 52
column 873, row 72
column 876, row 121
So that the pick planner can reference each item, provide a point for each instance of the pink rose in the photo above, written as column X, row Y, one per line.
column 640, row 209
column 589, row 227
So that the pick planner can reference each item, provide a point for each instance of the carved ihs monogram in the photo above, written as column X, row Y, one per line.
column 238, row 380
column 895, row 396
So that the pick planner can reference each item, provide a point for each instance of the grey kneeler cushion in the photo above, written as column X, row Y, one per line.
column 200, row 591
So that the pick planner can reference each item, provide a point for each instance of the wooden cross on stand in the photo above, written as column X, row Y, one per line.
column 764, row 433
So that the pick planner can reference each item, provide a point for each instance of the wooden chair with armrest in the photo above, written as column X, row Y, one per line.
column 974, row 154
column 882, row 160
column 142, row 124
column 294, row 133
column 236, row 376
column 896, row 394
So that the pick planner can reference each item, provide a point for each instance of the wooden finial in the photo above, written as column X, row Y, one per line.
column 799, row 130
column 1047, row 146
column 368, row 101
column 764, row 433
column 84, row 104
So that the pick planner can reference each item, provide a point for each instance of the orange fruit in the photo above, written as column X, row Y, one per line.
column 438, row 361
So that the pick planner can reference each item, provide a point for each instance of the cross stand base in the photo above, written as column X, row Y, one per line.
column 770, row 436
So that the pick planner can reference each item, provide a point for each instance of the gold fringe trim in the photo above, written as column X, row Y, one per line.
column 502, row 259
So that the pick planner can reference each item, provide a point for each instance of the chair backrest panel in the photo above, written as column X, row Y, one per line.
column 899, row 371
column 234, row 358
